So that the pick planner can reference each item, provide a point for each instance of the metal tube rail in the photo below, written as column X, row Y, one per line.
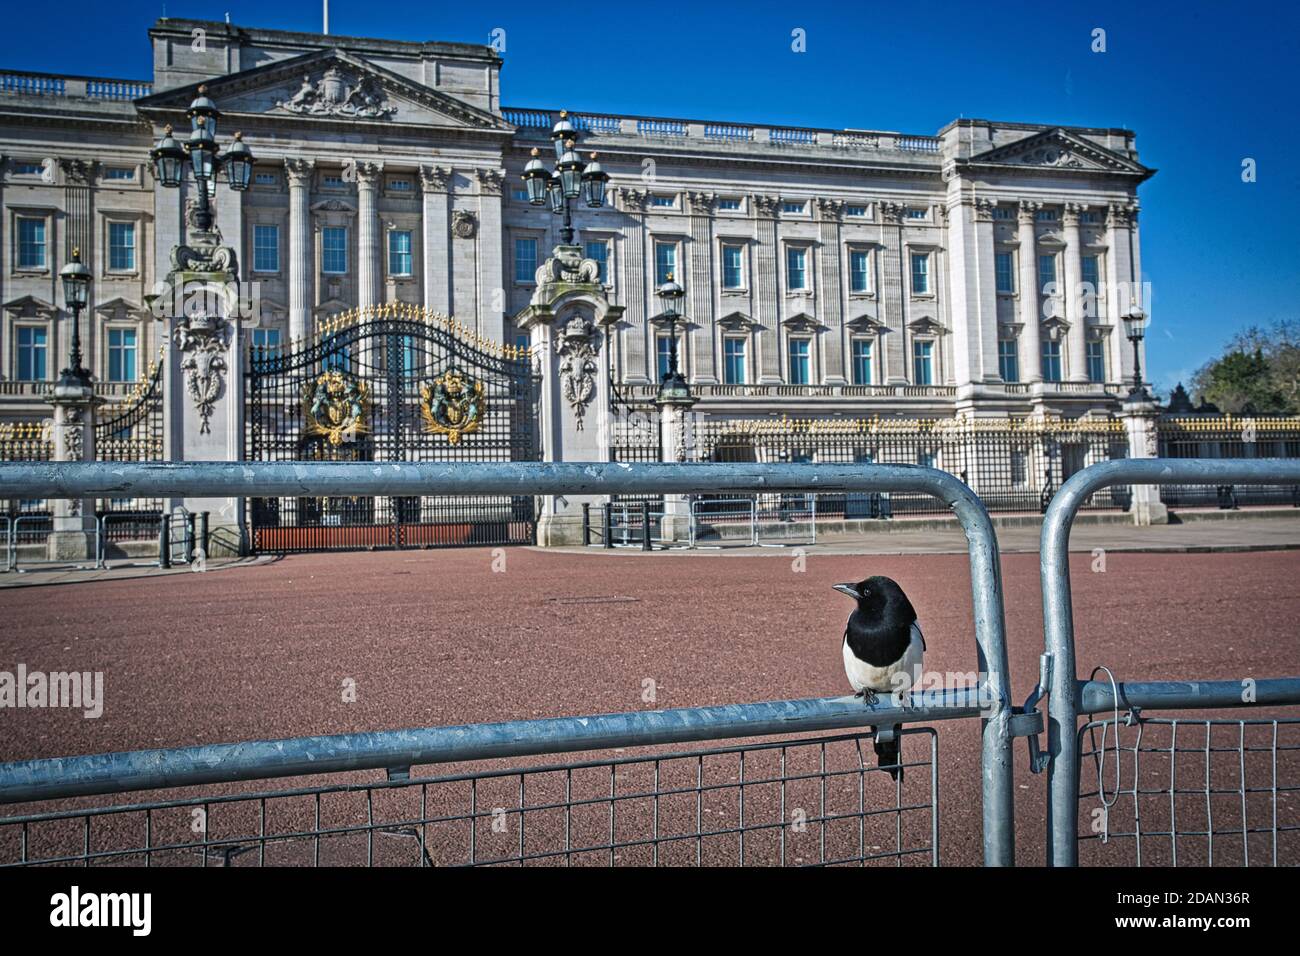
column 1058, row 613
column 1095, row 696
column 63, row 777
column 317, row 479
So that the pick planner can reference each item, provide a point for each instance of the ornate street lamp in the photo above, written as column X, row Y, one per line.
column 76, row 292
column 572, row 177
column 206, row 161
column 1135, row 327
column 673, row 389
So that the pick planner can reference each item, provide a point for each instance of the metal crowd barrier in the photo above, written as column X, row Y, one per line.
column 1278, row 739
column 721, row 509
column 669, row 789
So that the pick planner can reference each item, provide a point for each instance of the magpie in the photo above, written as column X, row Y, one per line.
column 883, row 648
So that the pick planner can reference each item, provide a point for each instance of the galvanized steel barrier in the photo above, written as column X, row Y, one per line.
column 398, row 751
column 1069, row 696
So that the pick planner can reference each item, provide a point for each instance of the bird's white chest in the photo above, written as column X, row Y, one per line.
column 899, row 676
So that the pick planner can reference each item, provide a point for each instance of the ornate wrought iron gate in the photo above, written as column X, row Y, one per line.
column 393, row 383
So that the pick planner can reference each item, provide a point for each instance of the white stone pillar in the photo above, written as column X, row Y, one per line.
column 677, row 443
column 73, row 437
column 768, row 293
column 1123, row 280
column 1076, row 339
column 830, row 291
column 1031, row 358
column 974, row 301
column 491, row 259
column 299, row 172
column 437, row 274
column 1140, row 421
column 369, row 264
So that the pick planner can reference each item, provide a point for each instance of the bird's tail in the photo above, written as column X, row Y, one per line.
column 888, row 757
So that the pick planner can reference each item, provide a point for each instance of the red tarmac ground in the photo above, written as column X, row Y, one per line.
column 448, row 637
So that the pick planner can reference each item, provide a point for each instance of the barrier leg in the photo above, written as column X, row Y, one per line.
column 165, row 540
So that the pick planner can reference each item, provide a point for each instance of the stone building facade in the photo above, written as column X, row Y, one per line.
column 983, row 270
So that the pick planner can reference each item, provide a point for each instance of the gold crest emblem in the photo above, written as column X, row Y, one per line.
column 452, row 405
column 335, row 404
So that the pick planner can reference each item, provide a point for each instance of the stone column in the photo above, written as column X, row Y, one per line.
column 1031, row 298
column 301, row 267
column 1077, row 337
column 700, row 357
column 894, row 281
column 1122, row 279
column 767, row 290
column 369, row 263
column 73, row 537
column 637, row 369
column 974, row 301
column 491, row 258
column 437, row 277
column 569, row 320
column 1140, row 421
column 677, row 444
column 830, row 290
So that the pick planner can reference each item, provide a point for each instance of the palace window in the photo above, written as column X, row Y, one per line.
column 520, row 194
column 1091, row 283
column 266, row 248
column 1096, row 362
column 796, row 268
column 334, row 250
column 525, row 260
column 920, row 273
column 31, row 243
column 121, row 355
column 734, row 366
column 119, row 173
column 800, row 361
column 729, row 205
column 859, row 270
column 265, row 179
column 266, row 338
column 1006, row 275
column 1047, row 274
column 332, row 181
column 598, row 250
column 28, row 169
column 856, row 212
column 1046, row 215
column 923, row 363
column 1004, row 212
column 861, row 355
column 663, row 202
column 33, row 348
column 664, row 354
column 1051, row 361
column 665, row 262
column 399, row 252
column 400, row 185
column 121, row 246
column 1008, row 360
column 733, row 267
column 1089, row 218
column 913, row 213
column 793, row 207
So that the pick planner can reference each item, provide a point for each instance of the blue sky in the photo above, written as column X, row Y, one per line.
column 1204, row 84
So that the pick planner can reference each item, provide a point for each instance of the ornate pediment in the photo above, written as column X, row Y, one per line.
column 926, row 325
column 802, row 322
column 867, row 324
column 326, row 86
column 29, row 306
column 737, row 322
column 120, row 308
column 1059, row 149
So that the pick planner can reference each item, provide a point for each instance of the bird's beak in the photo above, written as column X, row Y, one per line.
column 850, row 589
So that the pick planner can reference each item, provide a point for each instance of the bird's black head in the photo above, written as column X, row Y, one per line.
column 878, row 595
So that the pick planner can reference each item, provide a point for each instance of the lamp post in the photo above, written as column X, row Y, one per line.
column 205, row 160
column 673, row 388
column 572, row 177
column 1135, row 325
column 76, row 292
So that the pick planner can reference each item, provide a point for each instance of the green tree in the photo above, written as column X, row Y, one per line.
column 1259, row 372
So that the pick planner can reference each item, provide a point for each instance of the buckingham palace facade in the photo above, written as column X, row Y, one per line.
column 984, row 269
